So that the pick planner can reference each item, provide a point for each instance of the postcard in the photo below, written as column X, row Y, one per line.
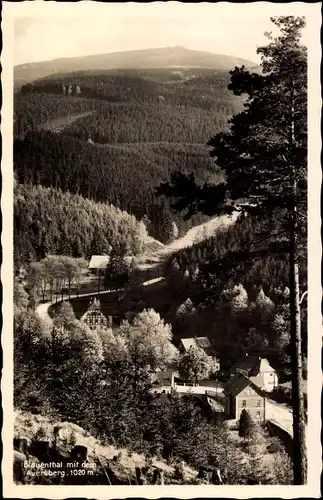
column 161, row 250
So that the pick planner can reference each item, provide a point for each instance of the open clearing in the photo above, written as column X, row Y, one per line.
column 62, row 122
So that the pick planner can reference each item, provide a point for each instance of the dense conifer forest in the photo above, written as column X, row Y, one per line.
column 241, row 305
column 124, row 175
column 119, row 134
column 49, row 221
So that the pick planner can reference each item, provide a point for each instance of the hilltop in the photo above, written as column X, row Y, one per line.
column 166, row 57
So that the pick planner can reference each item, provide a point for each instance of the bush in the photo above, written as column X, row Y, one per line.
column 246, row 425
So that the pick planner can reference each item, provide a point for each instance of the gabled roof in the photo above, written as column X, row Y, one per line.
column 252, row 365
column 249, row 364
column 186, row 307
column 199, row 342
column 101, row 261
column 265, row 366
column 238, row 384
column 94, row 306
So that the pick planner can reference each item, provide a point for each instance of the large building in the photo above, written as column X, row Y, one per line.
column 258, row 370
column 243, row 394
column 94, row 318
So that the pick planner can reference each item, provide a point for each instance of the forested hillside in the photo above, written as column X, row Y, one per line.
column 48, row 221
column 189, row 87
column 127, row 122
column 143, row 124
column 268, row 271
column 163, row 95
column 241, row 304
column 36, row 111
column 124, row 175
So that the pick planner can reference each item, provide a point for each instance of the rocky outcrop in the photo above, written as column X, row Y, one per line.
column 70, row 455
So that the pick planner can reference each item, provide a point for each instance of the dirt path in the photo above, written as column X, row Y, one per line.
column 200, row 232
column 42, row 309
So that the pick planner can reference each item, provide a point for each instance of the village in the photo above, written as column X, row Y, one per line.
column 246, row 386
column 250, row 384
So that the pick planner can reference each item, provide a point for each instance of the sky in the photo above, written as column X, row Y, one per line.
column 87, row 28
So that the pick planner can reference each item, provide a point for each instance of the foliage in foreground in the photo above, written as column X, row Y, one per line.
column 102, row 381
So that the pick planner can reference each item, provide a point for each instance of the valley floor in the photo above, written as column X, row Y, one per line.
column 277, row 412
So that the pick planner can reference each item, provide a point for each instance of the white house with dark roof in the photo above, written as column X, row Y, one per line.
column 258, row 370
column 241, row 393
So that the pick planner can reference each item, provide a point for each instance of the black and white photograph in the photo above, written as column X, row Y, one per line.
column 166, row 319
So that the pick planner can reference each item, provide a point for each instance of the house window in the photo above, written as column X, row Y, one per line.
column 244, row 403
column 258, row 402
column 271, row 374
column 258, row 414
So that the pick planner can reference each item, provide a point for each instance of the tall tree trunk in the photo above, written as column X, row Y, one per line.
column 299, row 428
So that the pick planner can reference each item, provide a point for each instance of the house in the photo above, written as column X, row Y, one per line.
column 165, row 378
column 99, row 263
column 241, row 393
column 197, row 342
column 257, row 369
column 94, row 318
column 200, row 343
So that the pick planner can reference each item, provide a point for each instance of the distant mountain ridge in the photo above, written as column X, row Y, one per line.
column 165, row 57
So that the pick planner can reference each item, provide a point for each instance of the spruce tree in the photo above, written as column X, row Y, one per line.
column 134, row 292
column 246, row 425
column 117, row 271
